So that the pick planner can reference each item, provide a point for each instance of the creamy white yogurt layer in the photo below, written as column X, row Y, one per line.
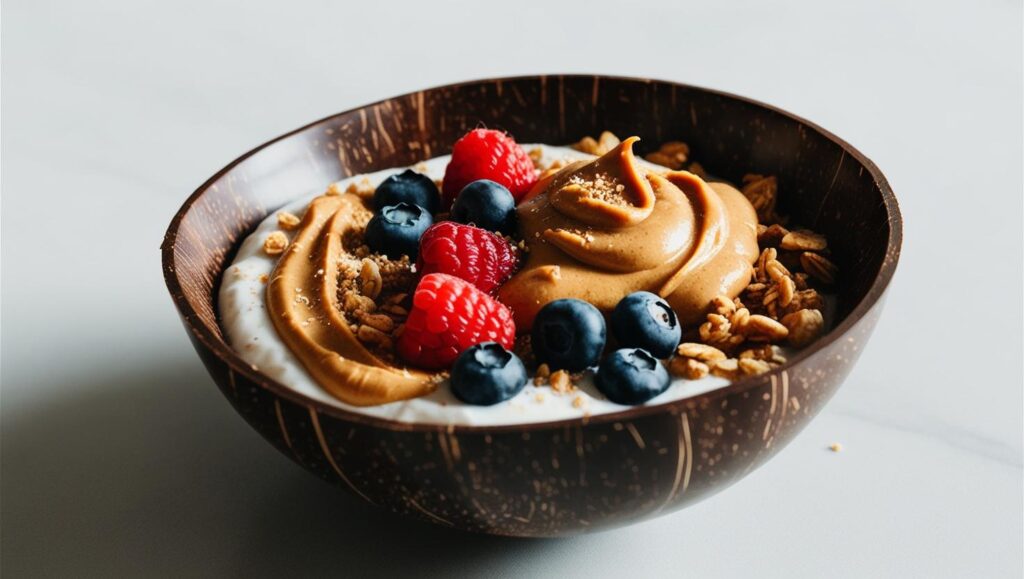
column 251, row 333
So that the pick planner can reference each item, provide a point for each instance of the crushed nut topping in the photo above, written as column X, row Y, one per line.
column 819, row 267
column 362, row 187
column 287, row 221
column 701, row 352
column 803, row 326
column 688, row 368
column 370, row 281
column 672, row 154
column 602, row 187
column 762, row 192
column 604, row 143
column 560, row 382
column 771, row 235
column 275, row 243
column 370, row 335
column 543, row 372
column 727, row 368
column 803, row 240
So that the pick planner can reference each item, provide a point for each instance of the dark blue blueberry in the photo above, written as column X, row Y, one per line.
column 644, row 320
column 486, row 204
column 631, row 376
column 396, row 230
column 407, row 187
column 486, row 374
column 568, row 334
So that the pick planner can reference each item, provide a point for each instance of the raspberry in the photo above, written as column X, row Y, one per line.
column 487, row 154
column 466, row 252
column 449, row 315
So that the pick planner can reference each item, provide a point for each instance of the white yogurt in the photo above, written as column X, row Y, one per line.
column 251, row 333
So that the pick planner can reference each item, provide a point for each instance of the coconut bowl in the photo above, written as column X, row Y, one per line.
column 570, row 476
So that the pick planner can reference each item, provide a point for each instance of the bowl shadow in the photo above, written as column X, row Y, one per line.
column 146, row 471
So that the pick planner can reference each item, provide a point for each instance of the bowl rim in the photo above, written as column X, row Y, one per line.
column 235, row 363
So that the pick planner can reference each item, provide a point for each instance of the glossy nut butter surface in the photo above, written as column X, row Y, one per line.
column 599, row 230
column 302, row 299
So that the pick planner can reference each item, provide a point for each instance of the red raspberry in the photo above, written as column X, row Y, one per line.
column 470, row 253
column 449, row 315
column 487, row 154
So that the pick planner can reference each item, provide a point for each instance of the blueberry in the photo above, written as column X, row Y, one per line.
column 407, row 187
column 486, row 204
column 396, row 229
column 486, row 374
column 631, row 376
column 568, row 334
column 644, row 320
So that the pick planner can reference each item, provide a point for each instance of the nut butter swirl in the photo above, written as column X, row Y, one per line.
column 302, row 299
column 602, row 229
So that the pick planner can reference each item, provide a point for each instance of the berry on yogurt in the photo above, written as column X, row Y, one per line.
column 486, row 374
column 631, row 376
column 645, row 320
column 407, row 187
column 486, row 204
column 396, row 230
column 568, row 334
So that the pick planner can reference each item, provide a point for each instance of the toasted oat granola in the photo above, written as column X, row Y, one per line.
column 778, row 308
column 275, row 243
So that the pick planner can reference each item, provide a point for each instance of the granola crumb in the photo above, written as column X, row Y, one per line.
column 772, row 235
column 560, row 382
column 701, row 352
column 536, row 155
column 601, row 187
column 370, row 335
column 803, row 326
column 819, row 267
column 762, row 192
column 287, row 221
column 765, row 329
column 275, row 243
column 362, row 188
column 672, row 154
column 803, row 240
column 541, row 376
column 753, row 366
column 727, row 368
column 264, row 278
column 688, row 368
column 370, row 281
column 605, row 142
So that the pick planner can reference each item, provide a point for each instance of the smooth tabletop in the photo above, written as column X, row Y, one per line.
column 121, row 458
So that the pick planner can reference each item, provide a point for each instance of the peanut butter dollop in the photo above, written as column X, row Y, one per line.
column 602, row 229
column 302, row 299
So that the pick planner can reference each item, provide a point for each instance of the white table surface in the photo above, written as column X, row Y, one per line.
column 121, row 458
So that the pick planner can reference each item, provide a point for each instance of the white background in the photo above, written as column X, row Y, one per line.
column 120, row 457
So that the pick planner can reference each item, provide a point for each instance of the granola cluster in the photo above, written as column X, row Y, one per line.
column 371, row 288
column 780, row 306
column 672, row 154
column 604, row 143
column 373, row 298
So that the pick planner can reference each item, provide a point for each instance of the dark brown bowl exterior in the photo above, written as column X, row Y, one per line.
column 576, row 475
